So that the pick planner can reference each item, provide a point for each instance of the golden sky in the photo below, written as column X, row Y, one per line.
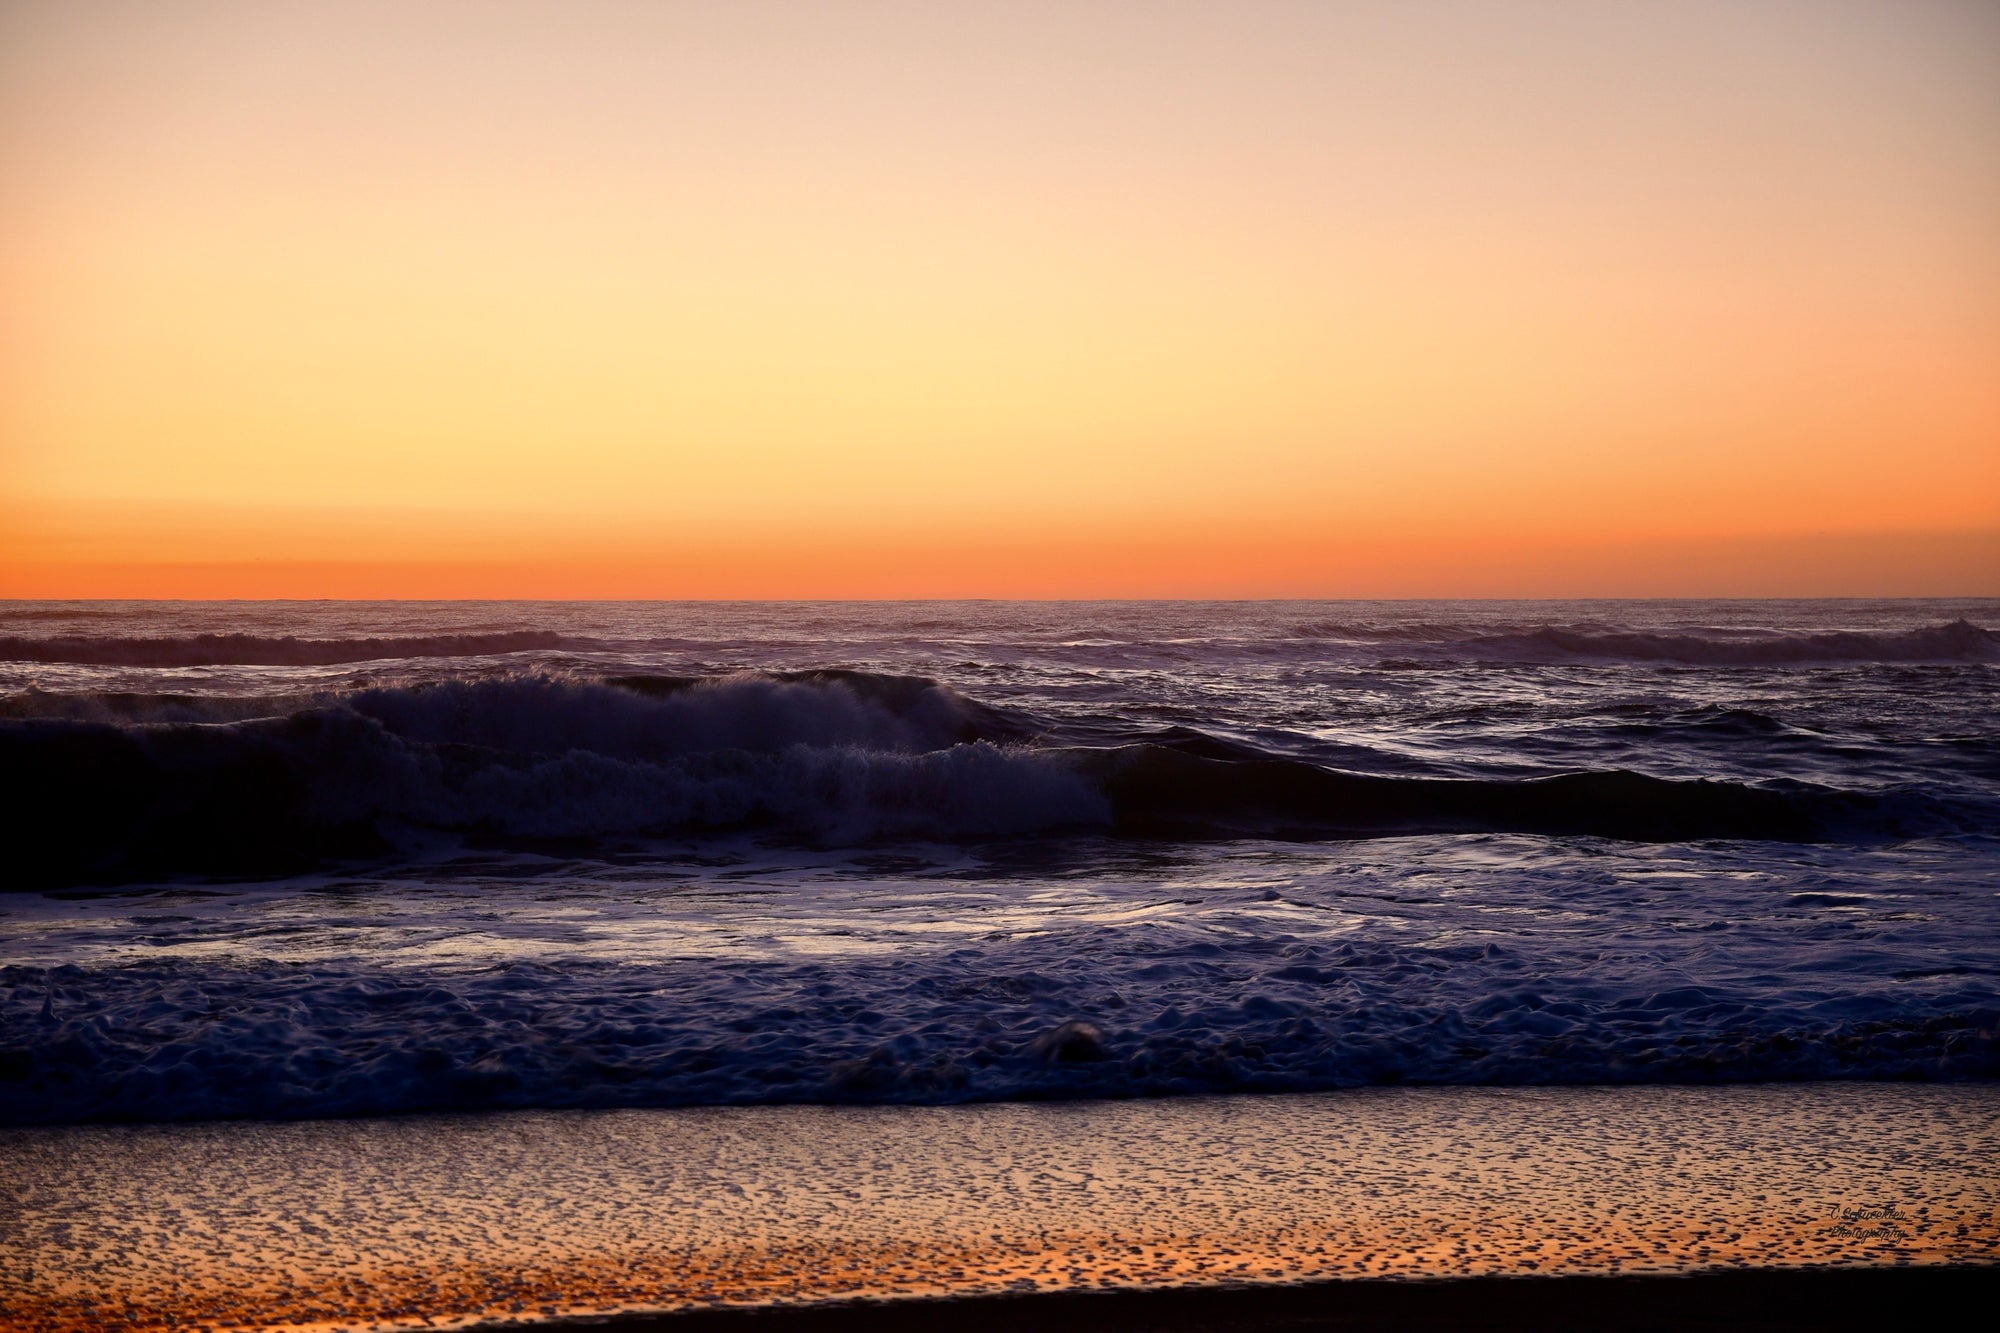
column 641, row 298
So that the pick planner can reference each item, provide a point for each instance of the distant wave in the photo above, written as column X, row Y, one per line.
column 1368, row 631
column 830, row 756
column 1958, row 641
column 257, row 650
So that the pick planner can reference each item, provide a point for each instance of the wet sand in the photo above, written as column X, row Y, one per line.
column 1499, row 1207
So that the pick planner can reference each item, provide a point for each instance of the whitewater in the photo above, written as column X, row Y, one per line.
column 319, row 859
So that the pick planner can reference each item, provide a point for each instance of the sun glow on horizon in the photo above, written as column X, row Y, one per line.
column 869, row 299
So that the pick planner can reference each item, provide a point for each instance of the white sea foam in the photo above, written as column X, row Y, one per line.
column 788, row 978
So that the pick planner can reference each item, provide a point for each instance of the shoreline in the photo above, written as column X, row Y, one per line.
column 1452, row 1205
column 1742, row 1299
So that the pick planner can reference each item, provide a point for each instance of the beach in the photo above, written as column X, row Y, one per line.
column 1384, row 1204
column 995, row 666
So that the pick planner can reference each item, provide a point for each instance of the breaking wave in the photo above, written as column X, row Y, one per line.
column 830, row 756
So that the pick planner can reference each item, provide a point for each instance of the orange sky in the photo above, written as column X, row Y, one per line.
column 610, row 298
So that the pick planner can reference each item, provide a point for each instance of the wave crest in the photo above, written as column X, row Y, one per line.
column 834, row 756
column 838, row 756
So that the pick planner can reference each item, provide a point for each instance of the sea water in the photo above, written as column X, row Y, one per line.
column 316, row 859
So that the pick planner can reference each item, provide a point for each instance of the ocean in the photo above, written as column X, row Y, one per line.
column 298, row 860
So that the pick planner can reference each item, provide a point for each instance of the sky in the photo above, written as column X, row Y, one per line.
column 635, row 298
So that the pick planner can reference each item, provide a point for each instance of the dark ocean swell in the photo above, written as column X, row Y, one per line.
column 830, row 757
column 256, row 650
column 1959, row 641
